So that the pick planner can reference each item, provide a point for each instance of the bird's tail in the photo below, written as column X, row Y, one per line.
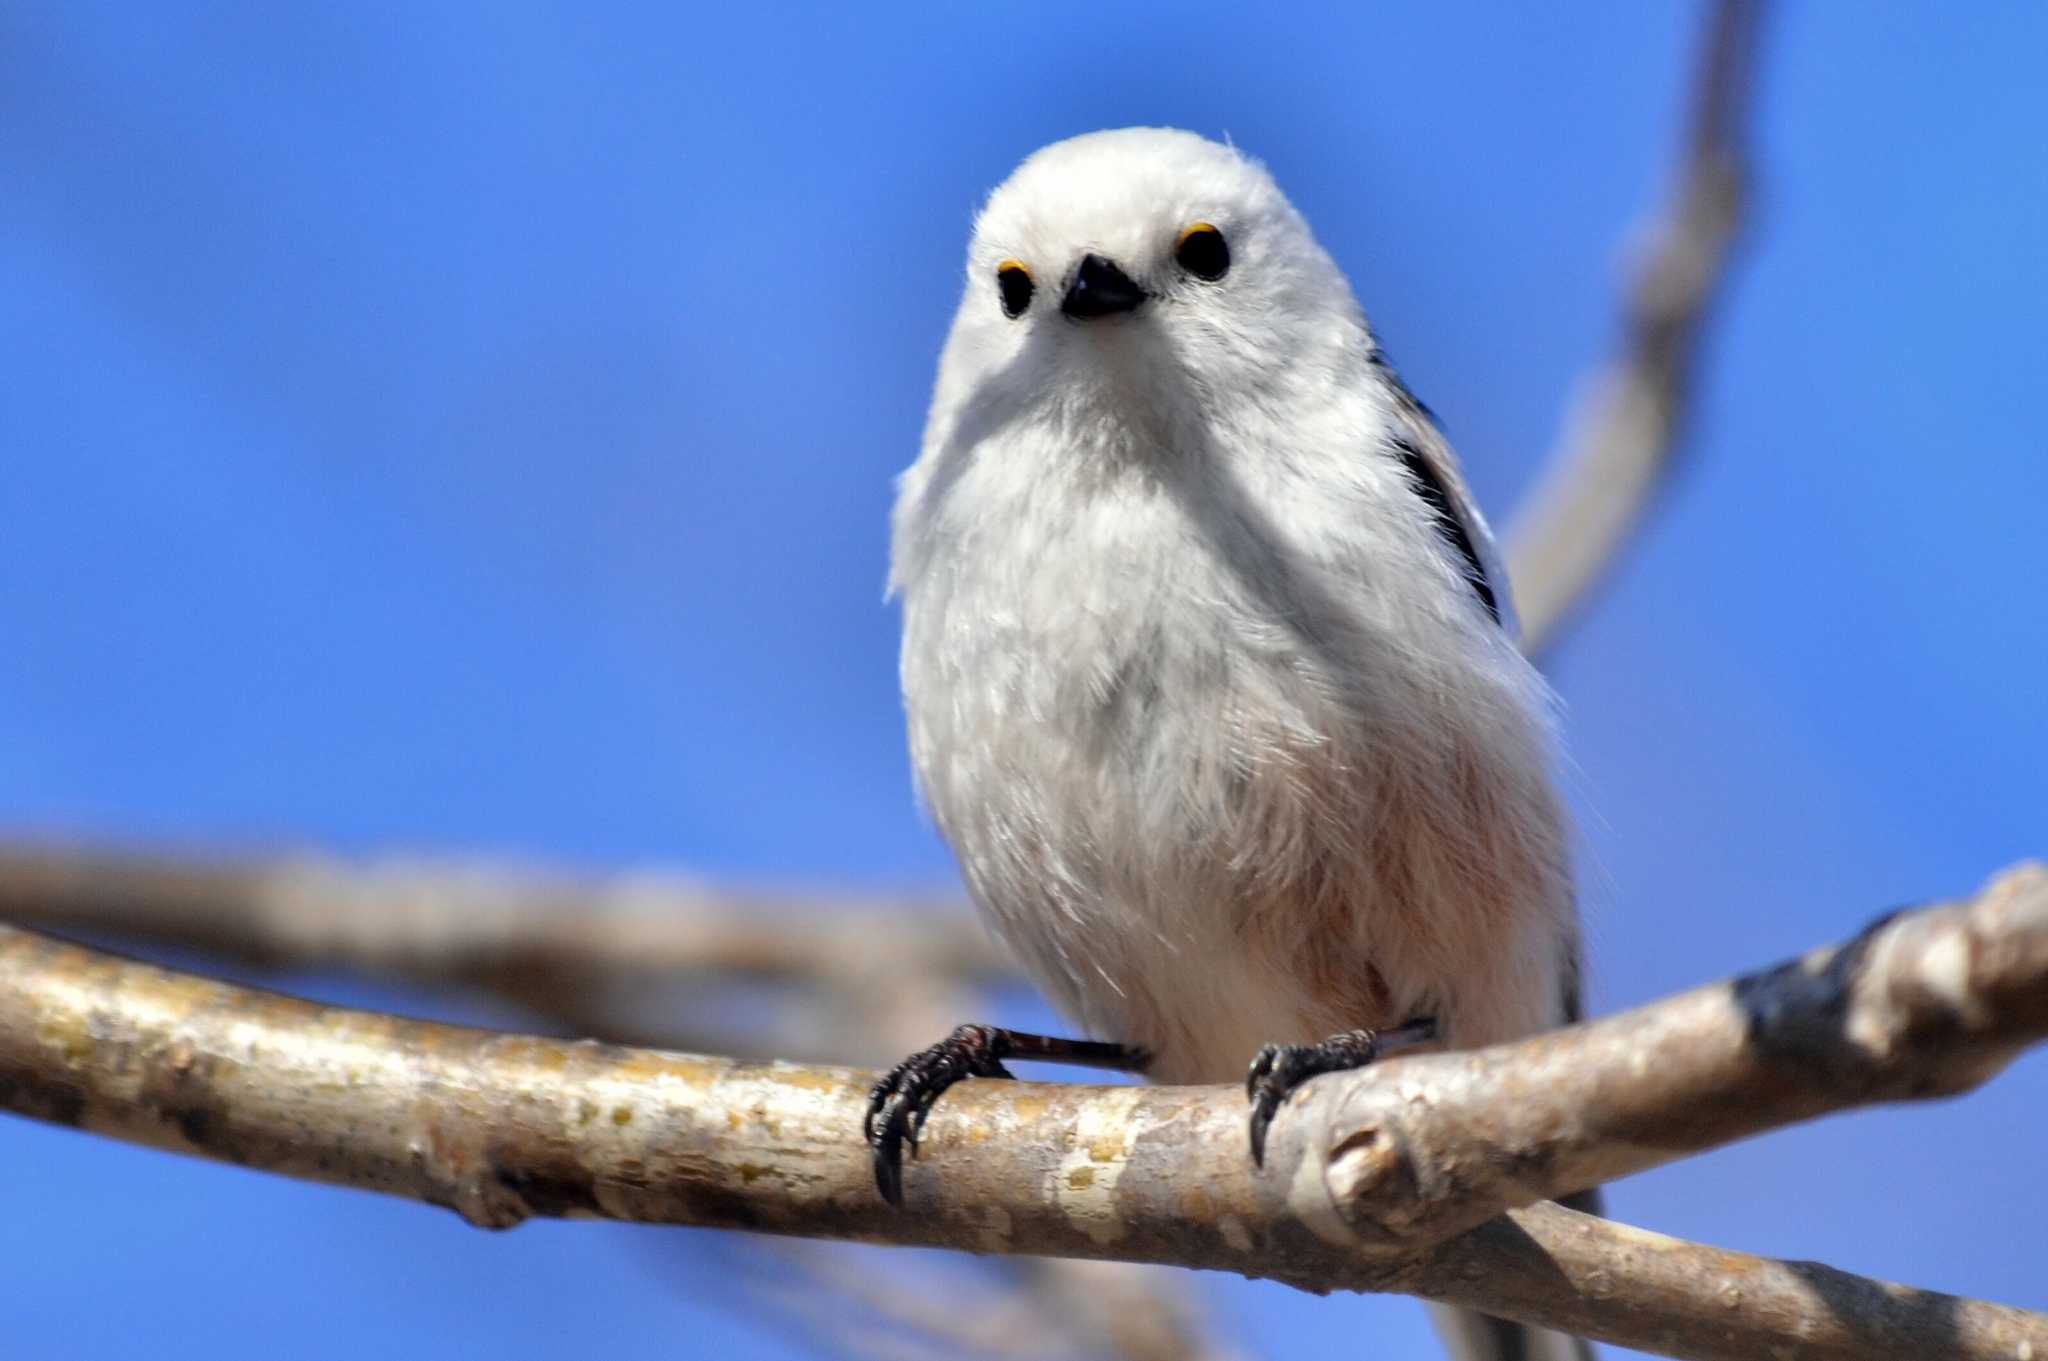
column 1469, row 1335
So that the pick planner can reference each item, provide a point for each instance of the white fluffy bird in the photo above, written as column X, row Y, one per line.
column 1208, row 660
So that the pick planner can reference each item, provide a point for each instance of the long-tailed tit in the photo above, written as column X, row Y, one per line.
column 1208, row 659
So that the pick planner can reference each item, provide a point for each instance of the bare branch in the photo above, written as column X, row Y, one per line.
column 1600, row 1279
column 1621, row 436
column 871, row 977
column 589, row 953
column 1363, row 1172
column 444, row 918
column 1924, row 1003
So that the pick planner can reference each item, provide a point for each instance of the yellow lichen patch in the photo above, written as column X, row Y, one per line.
column 622, row 1115
column 586, row 1111
column 1080, row 1178
column 67, row 1034
column 504, row 1052
column 648, row 1066
column 817, row 1080
column 1029, row 1107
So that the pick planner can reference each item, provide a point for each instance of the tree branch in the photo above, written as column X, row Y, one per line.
column 1363, row 1174
column 562, row 946
column 865, row 978
column 1621, row 437
column 450, row 918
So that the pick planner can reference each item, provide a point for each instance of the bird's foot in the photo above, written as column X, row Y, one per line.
column 899, row 1103
column 1280, row 1068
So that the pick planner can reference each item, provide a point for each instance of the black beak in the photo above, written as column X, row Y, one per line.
column 1100, row 289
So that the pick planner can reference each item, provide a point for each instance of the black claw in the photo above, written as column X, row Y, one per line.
column 1278, row 1069
column 1262, row 1064
column 899, row 1104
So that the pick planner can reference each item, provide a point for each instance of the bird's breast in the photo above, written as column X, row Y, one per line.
column 1201, row 776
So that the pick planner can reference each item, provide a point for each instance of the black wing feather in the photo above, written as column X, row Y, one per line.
column 1447, row 522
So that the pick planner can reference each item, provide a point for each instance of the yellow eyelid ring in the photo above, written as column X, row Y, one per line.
column 1015, row 287
column 1202, row 251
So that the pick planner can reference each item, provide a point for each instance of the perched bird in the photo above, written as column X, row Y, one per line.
column 1208, row 660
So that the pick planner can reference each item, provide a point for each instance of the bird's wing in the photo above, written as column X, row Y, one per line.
column 1467, row 1334
column 1434, row 470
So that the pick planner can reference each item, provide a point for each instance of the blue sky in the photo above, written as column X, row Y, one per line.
column 471, row 428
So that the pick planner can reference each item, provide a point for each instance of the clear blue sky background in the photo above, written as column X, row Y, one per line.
column 470, row 427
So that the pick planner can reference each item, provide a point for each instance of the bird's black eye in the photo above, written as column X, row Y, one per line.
column 1202, row 252
column 1015, row 283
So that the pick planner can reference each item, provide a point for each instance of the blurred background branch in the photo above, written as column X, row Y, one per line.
column 594, row 955
column 1622, row 435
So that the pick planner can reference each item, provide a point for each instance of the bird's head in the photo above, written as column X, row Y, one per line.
column 1144, row 265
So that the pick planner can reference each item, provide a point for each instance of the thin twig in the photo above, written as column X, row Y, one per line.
column 1622, row 434
column 1362, row 1174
